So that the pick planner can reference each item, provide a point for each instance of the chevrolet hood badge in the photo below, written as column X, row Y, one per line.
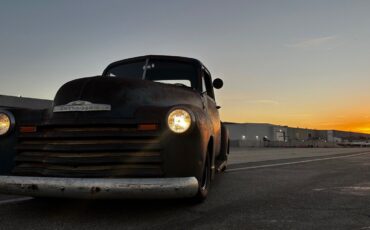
column 81, row 106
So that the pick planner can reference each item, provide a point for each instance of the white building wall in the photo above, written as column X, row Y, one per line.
column 257, row 132
column 237, row 131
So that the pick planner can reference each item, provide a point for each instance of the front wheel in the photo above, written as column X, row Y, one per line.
column 205, row 182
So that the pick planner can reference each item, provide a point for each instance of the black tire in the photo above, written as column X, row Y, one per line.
column 205, row 182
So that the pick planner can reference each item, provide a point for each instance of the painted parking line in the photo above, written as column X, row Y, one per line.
column 294, row 162
column 15, row 200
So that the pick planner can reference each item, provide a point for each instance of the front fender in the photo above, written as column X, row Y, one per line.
column 184, row 154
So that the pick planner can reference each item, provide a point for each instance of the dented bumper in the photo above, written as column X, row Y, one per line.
column 100, row 188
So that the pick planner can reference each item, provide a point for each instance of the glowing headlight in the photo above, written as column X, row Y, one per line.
column 5, row 123
column 179, row 120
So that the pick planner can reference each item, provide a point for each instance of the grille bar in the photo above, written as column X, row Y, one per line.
column 87, row 134
column 92, row 148
column 89, row 158
column 88, row 171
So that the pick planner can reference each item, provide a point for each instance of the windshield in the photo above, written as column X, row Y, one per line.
column 163, row 71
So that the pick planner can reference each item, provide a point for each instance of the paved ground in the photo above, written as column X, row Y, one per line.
column 243, row 155
column 310, row 191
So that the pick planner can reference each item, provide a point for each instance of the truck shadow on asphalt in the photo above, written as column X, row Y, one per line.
column 130, row 212
column 115, row 213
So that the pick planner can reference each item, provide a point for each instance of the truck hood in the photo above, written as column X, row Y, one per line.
column 123, row 96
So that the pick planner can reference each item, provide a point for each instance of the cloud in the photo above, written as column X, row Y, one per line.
column 331, row 124
column 313, row 42
column 264, row 102
column 300, row 115
column 239, row 100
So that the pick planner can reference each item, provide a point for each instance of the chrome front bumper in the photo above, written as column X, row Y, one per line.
column 100, row 188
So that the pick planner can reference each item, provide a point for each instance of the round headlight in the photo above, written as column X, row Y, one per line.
column 5, row 123
column 179, row 120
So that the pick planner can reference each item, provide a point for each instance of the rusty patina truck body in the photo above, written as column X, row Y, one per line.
column 149, row 127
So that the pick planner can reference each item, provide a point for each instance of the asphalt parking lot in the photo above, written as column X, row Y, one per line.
column 262, row 189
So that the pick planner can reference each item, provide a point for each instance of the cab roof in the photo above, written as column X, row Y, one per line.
column 163, row 57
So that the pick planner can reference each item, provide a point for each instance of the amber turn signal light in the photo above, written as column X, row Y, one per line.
column 147, row 127
column 28, row 129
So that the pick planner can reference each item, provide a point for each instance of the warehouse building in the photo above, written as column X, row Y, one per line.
column 269, row 135
column 255, row 134
column 24, row 102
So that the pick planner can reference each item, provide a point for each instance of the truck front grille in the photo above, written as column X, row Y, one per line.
column 121, row 151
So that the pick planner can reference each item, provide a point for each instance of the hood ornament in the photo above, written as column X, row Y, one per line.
column 81, row 106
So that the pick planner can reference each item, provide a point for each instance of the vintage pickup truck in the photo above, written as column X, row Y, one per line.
column 149, row 127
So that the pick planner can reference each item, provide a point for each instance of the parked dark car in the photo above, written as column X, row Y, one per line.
column 149, row 127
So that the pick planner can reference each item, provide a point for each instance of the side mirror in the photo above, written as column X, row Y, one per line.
column 218, row 83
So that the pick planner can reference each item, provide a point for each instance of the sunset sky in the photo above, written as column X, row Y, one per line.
column 298, row 63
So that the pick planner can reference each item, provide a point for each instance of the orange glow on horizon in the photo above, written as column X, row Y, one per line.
column 350, row 119
column 349, row 127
